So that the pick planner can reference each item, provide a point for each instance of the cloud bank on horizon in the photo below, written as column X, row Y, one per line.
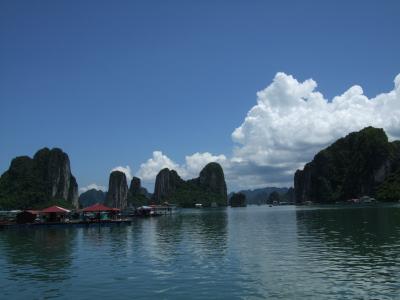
column 290, row 123
column 191, row 168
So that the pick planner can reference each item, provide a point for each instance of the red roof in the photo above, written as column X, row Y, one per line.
column 55, row 209
column 98, row 207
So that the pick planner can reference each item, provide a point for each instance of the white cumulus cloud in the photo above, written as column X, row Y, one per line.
column 149, row 170
column 288, row 125
column 190, row 169
column 195, row 162
column 292, row 121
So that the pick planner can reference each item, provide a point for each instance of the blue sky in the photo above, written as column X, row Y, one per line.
column 110, row 82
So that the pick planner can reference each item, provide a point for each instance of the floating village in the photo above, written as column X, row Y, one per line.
column 41, row 191
column 96, row 214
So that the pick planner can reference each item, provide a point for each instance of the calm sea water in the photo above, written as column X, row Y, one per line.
column 243, row 253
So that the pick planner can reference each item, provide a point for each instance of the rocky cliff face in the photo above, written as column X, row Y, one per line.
column 167, row 181
column 91, row 197
column 208, row 189
column 32, row 182
column 136, row 186
column 73, row 193
column 117, row 194
column 353, row 166
column 212, row 179
column 137, row 195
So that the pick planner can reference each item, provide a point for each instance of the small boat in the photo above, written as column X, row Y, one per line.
column 198, row 205
column 367, row 199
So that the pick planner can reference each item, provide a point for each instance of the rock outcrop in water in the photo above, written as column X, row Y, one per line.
column 237, row 200
column 167, row 182
column 137, row 195
column 353, row 166
column 208, row 189
column 212, row 180
column 135, row 186
column 36, row 182
column 117, row 194
column 91, row 197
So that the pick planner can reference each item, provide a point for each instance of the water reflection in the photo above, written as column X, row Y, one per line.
column 262, row 242
column 355, row 251
column 198, row 233
column 206, row 232
column 35, row 261
column 181, row 251
column 361, row 231
column 48, row 250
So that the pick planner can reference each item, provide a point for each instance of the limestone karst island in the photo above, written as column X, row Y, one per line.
column 360, row 167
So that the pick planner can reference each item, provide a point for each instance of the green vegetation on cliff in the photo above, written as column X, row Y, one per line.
column 237, row 200
column 91, row 197
column 208, row 189
column 40, row 181
column 137, row 195
column 137, row 200
column 353, row 166
column 189, row 193
column 389, row 190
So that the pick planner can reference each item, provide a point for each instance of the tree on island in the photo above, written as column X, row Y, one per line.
column 390, row 189
column 274, row 197
column 238, row 200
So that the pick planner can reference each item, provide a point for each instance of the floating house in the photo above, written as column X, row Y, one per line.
column 26, row 216
column 101, row 211
column 55, row 214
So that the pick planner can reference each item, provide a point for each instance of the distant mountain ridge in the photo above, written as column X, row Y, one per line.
column 260, row 196
column 91, row 197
